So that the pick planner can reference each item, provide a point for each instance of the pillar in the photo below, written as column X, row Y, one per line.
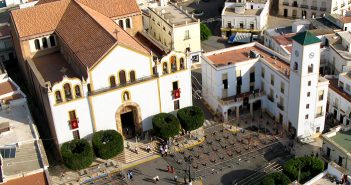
column 237, row 111
column 251, row 109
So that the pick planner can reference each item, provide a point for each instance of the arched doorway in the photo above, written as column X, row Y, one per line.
column 128, row 120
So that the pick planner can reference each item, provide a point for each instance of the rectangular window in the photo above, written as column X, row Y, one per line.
column 238, row 73
column 176, row 105
column 320, row 95
column 175, row 85
column 309, row 83
column 272, row 80
column 306, row 116
column 252, row 75
column 225, row 84
column 72, row 115
column 308, row 94
column 187, row 35
column 76, row 134
column 319, row 111
column 282, row 87
column 263, row 72
column 307, row 106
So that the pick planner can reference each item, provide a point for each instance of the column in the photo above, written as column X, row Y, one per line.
column 237, row 112
column 251, row 109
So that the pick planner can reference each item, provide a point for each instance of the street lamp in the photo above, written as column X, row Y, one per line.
column 189, row 160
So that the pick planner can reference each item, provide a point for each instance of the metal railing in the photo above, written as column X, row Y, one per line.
column 323, row 9
column 304, row 6
column 335, row 8
column 286, row 3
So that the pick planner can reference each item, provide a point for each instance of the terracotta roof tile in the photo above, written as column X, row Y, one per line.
column 38, row 19
column 7, row 87
column 110, row 8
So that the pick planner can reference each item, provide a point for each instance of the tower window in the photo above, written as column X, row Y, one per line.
column 58, row 97
column 296, row 66
column 122, row 77
column 128, row 23
column 52, row 41
column 37, row 44
column 132, row 76
column 112, row 81
column 68, row 93
column 77, row 90
column 45, row 42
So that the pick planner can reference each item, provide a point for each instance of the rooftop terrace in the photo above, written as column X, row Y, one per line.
column 247, row 12
column 343, row 139
column 174, row 14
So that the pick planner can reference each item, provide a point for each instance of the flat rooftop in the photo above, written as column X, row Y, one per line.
column 343, row 19
column 174, row 14
column 343, row 139
column 229, row 57
column 52, row 67
column 19, row 120
column 322, row 26
column 247, row 12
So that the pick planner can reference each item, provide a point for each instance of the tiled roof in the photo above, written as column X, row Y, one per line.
column 306, row 38
column 284, row 39
column 110, row 8
column 38, row 179
column 7, row 87
column 38, row 19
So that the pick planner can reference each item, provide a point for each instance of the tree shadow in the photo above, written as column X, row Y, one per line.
column 235, row 176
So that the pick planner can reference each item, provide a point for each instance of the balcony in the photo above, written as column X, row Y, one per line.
column 319, row 115
column 238, row 99
column 286, row 3
column 304, row 6
column 281, row 107
column 74, row 123
column 342, row 5
column 323, row 9
column 335, row 8
column 231, row 100
column 314, row 7
column 325, row 156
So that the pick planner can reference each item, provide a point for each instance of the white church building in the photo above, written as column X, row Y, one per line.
column 89, row 73
column 252, row 76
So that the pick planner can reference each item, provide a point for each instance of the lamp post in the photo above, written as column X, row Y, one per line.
column 189, row 160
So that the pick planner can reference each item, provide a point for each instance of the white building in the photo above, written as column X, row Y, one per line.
column 6, row 47
column 93, row 75
column 312, row 8
column 244, row 16
column 9, row 3
column 339, row 98
column 336, row 148
column 251, row 76
column 22, row 155
column 173, row 28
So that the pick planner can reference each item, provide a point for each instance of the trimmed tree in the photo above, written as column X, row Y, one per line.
column 165, row 125
column 205, row 32
column 191, row 118
column 77, row 154
column 107, row 143
column 277, row 178
column 308, row 166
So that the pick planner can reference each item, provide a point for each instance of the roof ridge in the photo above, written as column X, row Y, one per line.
column 90, row 9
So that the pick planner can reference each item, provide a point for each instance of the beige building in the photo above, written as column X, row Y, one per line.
column 173, row 28
column 337, row 147
column 312, row 8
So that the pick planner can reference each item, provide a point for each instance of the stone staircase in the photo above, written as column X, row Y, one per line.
column 129, row 155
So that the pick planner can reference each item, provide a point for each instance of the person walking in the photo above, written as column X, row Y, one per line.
column 166, row 151
column 175, row 178
column 131, row 175
column 172, row 169
column 168, row 169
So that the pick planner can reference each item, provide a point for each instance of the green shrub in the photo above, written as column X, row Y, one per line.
column 77, row 154
column 205, row 32
column 165, row 125
column 276, row 178
column 107, row 143
column 191, row 118
column 310, row 167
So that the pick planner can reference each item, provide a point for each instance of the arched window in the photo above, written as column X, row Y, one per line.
column 182, row 63
column 68, row 92
column 112, row 81
column 58, row 97
column 52, row 40
column 126, row 96
column 132, row 76
column 122, row 77
column 37, row 44
column 165, row 68
column 296, row 66
column 45, row 42
column 77, row 90
column 128, row 23
column 120, row 23
column 173, row 63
